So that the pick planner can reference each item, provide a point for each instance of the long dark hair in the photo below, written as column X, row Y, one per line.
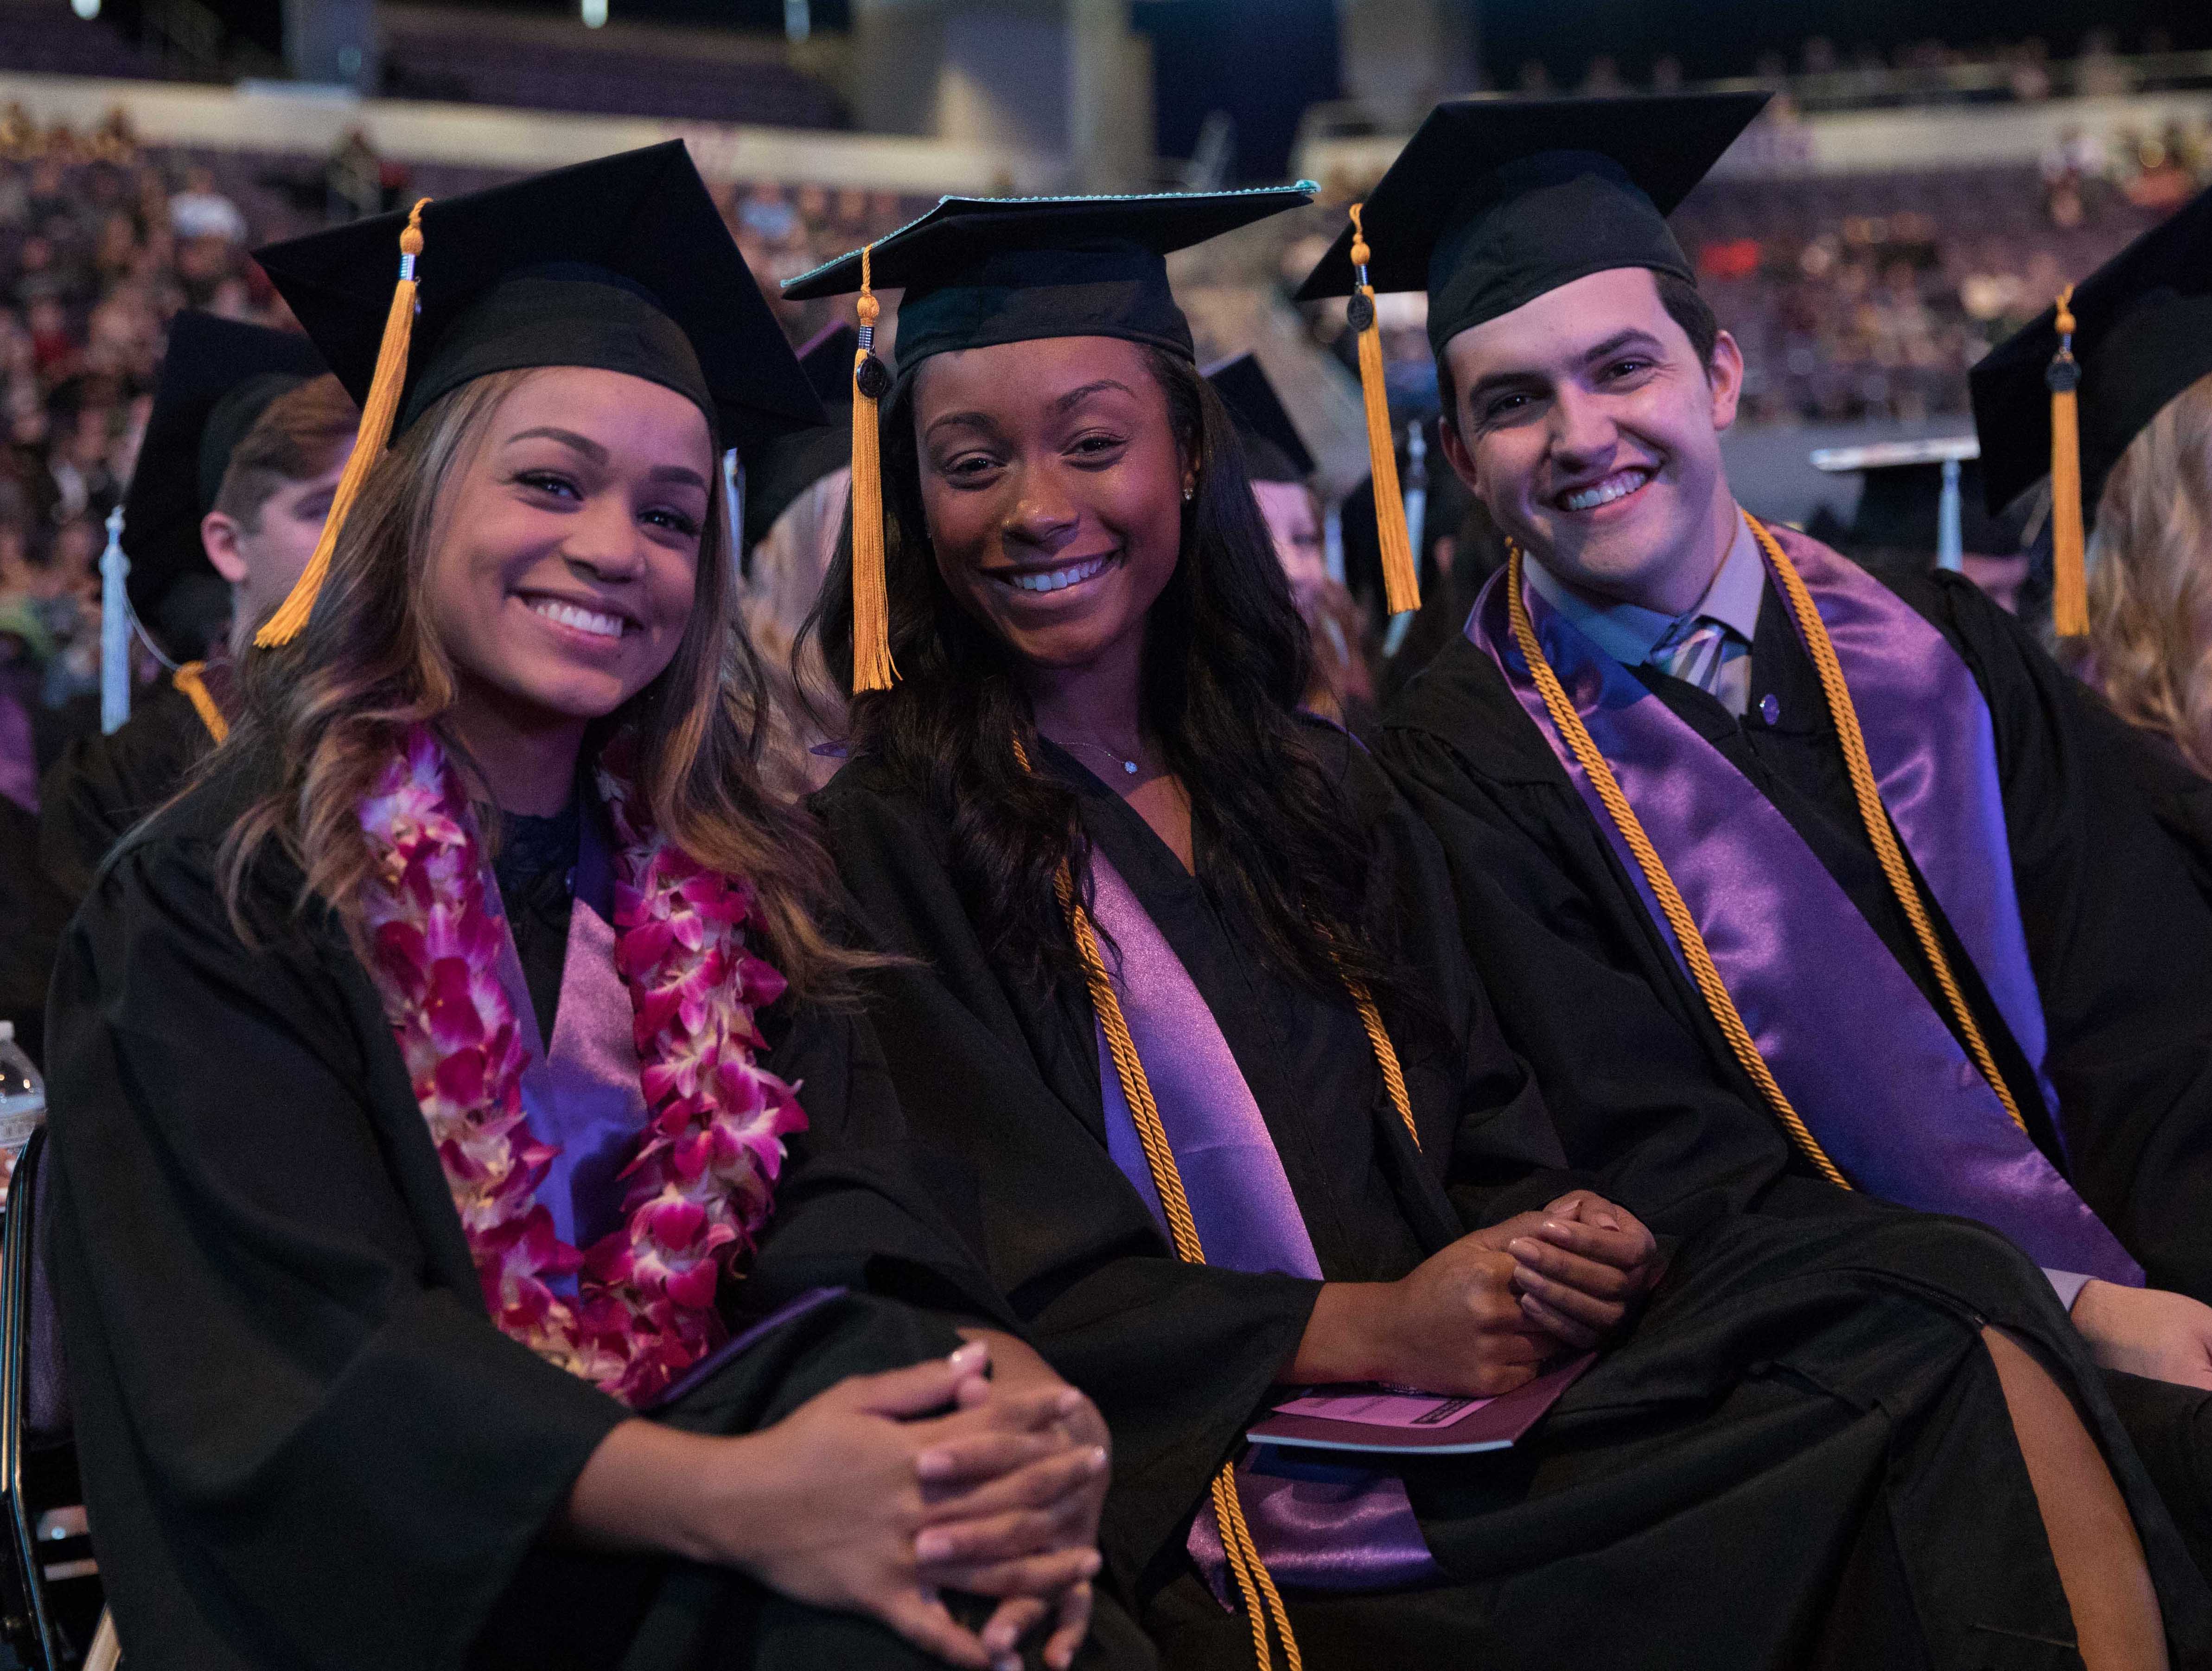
column 1226, row 663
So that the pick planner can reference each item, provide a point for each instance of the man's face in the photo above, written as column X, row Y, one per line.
column 1588, row 427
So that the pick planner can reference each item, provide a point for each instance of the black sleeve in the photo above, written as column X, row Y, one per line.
column 1500, row 1152
column 303, row 1441
column 2121, row 943
column 1582, row 992
column 860, row 1203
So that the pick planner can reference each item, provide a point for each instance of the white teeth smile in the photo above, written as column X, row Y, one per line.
column 584, row 619
column 1055, row 580
column 1619, row 485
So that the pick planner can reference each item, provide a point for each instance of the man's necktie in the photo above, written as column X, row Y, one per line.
column 1712, row 656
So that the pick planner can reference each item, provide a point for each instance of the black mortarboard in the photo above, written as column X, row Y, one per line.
column 1494, row 202
column 218, row 377
column 1901, row 497
column 980, row 271
column 827, row 360
column 2141, row 334
column 622, row 264
column 791, row 463
column 1273, row 449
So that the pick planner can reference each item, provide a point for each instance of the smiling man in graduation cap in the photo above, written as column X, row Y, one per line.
column 240, row 460
column 1782, row 875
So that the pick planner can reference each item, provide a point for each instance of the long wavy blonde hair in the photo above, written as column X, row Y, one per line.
column 2150, row 585
column 330, row 710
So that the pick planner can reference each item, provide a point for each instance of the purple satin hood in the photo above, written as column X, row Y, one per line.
column 1871, row 1067
column 1316, row 1527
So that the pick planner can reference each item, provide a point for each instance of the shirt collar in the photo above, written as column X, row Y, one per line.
column 1628, row 634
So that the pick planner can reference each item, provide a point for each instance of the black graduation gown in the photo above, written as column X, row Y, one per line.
column 1796, row 1420
column 32, row 913
column 103, row 785
column 303, row 1442
column 1644, row 1087
column 96, row 788
column 2178, row 795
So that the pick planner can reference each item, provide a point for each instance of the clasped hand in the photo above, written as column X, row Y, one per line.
column 1482, row 1316
column 876, row 1495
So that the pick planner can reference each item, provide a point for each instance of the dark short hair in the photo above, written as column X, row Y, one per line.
column 1685, row 303
column 303, row 434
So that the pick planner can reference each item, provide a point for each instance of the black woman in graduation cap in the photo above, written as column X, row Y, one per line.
column 444, row 1276
column 1785, row 879
column 2131, row 476
column 1189, row 991
column 233, row 481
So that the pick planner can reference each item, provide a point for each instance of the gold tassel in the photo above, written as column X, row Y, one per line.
column 377, row 413
column 1402, row 579
column 2070, row 585
column 873, row 667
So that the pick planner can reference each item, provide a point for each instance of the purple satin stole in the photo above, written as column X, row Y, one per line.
column 1856, row 1047
column 1316, row 1527
column 584, row 1095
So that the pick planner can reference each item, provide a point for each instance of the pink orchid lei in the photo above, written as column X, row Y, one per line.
column 701, row 1183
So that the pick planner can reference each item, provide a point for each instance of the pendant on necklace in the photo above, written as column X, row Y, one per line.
column 1130, row 767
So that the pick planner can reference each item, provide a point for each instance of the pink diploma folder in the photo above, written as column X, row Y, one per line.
column 1386, row 1418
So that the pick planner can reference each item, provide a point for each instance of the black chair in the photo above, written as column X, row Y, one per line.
column 52, row 1604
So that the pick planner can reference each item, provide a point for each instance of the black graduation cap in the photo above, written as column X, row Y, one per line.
column 2143, row 333
column 786, row 467
column 983, row 271
column 622, row 264
column 979, row 272
column 1273, row 450
column 2072, row 389
column 827, row 360
column 218, row 377
column 1901, row 497
column 1494, row 202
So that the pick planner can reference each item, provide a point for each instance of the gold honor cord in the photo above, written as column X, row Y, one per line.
column 1263, row 1603
column 187, row 679
column 1872, row 813
column 1875, row 815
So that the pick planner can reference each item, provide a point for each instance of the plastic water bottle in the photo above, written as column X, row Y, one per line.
column 22, row 1103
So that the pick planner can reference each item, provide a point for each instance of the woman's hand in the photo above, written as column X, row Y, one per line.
column 1581, row 1263
column 1453, row 1324
column 826, row 1506
column 2146, row 1332
column 994, row 1529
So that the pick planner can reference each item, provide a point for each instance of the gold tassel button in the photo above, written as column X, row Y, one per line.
column 377, row 413
column 2070, row 585
column 1401, row 579
column 873, row 667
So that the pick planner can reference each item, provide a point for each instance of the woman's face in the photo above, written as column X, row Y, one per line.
column 1054, row 485
column 1287, row 508
column 561, row 576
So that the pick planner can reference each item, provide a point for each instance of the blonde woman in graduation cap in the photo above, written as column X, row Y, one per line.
column 445, row 1273
column 2132, row 478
